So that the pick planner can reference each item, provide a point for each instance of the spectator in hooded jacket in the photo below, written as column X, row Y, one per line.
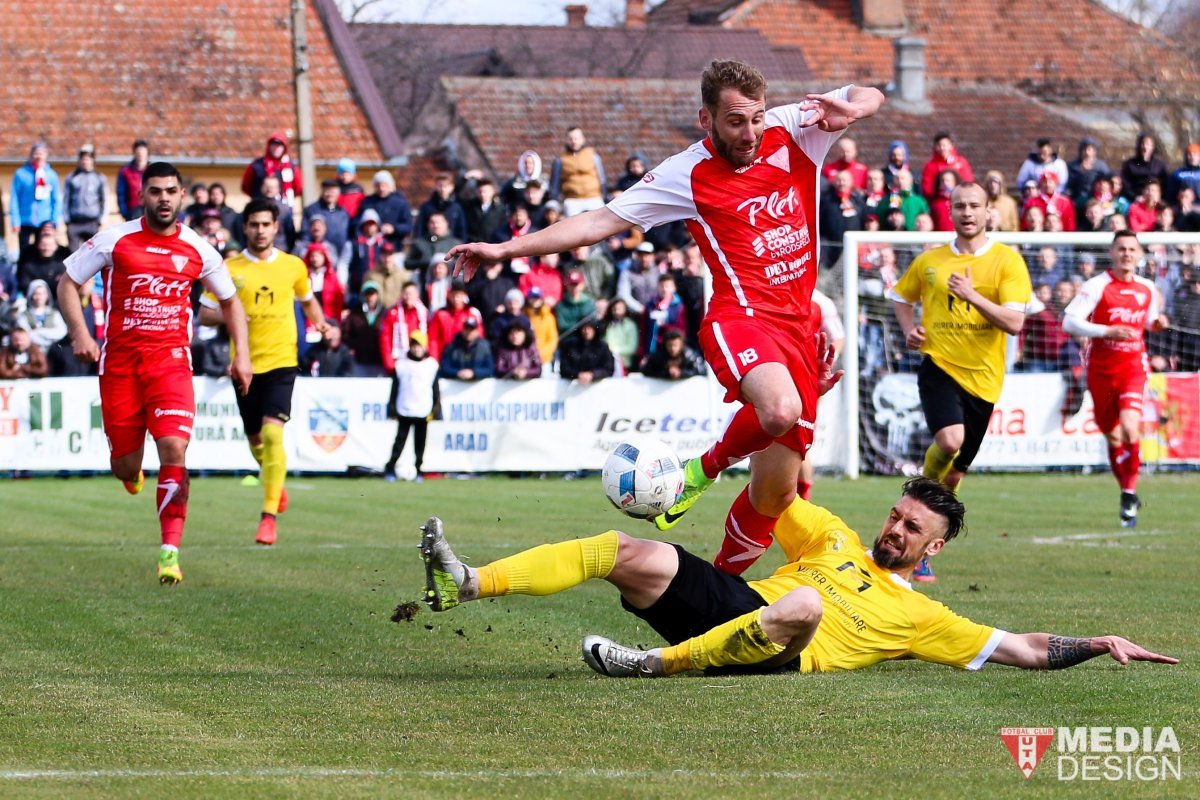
column 85, row 199
column 1006, row 207
column 897, row 162
column 635, row 170
column 517, row 354
column 585, row 357
column 468, row 356
column 45, row 263
column 1188, row 175
column 1084, row 170
column 43, row 321
column 529, row 169
column 36, row 198
column 368, row 251
column 1044, row 158
column 323, row 278
column 129, row 181
column 622, row 334
column 443, row 201
column 351, row 194
column 939, row 204
column 1143, row 165
column 945, row 157
column 275, row 161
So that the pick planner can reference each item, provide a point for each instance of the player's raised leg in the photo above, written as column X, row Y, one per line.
column 640, row 568
column 773, row 476
column 771, row 408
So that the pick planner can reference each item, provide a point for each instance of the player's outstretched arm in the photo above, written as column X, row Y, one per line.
column 1048, row 651
column 583, row 229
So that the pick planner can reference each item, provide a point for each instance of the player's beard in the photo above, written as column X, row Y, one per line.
column 161, row 215
column 891, row 556
column 727, row 151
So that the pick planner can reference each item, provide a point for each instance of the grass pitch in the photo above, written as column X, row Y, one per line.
column 278, row 673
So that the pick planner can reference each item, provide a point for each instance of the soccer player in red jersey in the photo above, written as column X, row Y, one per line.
column 748, row 194
column 1112, row 310
column 149, row 265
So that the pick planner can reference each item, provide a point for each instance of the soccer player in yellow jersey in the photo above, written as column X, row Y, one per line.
column 835, row 606
column 972, row 292
column 269, row 283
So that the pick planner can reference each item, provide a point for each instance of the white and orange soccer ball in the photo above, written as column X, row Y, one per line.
column 643, row 478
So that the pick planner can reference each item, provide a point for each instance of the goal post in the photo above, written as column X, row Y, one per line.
column 1043, row 420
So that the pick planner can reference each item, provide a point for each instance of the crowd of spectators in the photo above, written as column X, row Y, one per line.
column 630, row 304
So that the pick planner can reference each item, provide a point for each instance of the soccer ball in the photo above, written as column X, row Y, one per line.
column 643, row 478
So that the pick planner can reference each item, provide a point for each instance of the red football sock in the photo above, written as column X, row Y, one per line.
column 744, row 436
column 804, row 489
column 172, row 502
column 1114, row 460
column 1133, row 463
column 747, row 536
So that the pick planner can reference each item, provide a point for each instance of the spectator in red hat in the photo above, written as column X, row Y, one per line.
column 1053, row 202
column 945, row 157
column 275, row 161
column 576, row 305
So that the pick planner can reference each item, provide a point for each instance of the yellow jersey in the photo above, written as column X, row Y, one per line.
column 269, row 289
column 871, row 614
column 958, row 338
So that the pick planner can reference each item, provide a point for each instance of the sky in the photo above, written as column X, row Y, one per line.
column 487, row 12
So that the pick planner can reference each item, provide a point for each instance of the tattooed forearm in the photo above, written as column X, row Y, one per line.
column 1065, row 651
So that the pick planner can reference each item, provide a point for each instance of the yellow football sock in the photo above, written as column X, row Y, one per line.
column 550, row 568
column 256, row 450
column 274, row 467
column 739, row 641
column 937, row 463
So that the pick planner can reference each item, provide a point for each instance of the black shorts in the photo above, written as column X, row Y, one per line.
column 270, row 395
column 699, row 599
column 946, row 403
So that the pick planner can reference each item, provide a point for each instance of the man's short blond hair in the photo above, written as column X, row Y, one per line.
column 728, row 74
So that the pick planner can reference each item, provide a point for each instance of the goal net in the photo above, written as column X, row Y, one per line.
column 1043, row 420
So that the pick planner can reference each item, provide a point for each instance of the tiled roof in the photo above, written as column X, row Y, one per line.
column 206, row 79
column 407, row 60
column 994, row 126
column 1069, row 47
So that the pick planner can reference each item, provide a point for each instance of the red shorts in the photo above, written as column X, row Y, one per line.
column 733, row 344
column 161, row 402
column 1113, row 393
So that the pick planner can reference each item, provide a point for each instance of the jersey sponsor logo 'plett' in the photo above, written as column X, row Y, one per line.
column 773, row 204
column 158, row 286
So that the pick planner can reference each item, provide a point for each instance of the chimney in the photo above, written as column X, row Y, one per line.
column 881, row 16
column 576, row 16
column 910, row 74
column 635, row 13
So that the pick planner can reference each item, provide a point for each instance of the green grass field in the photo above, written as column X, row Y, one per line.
column 278, row 673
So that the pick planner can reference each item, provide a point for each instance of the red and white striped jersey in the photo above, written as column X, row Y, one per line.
column 147, row 290
column 755, row 225
column 1105, row 300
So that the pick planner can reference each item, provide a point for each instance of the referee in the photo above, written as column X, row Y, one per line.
column 972, row 292
column 269, row 283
